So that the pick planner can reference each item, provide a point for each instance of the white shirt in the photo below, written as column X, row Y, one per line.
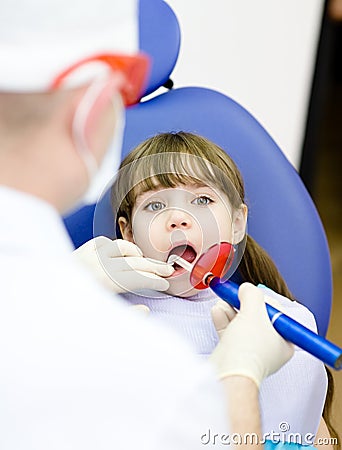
column 79, row 369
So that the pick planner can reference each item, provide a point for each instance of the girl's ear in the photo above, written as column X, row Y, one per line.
column 240, row 223
column 125, row 229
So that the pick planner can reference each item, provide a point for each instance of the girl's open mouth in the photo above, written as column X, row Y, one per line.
column 187, row 252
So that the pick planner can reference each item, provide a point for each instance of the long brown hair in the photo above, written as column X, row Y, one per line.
column 167, row 160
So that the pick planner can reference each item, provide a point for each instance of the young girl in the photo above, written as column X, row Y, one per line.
column 178, row 193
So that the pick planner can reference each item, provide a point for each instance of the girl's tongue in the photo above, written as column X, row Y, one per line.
column 186, row 252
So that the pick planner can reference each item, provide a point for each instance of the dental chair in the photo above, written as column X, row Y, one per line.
column 282, row 216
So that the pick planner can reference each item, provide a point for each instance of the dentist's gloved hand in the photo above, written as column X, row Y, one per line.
column 249, row 345
column 120, row 266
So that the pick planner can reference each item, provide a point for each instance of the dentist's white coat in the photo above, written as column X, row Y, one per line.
column 80, row 370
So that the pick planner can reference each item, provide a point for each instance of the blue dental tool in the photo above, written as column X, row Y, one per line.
column 214, row 264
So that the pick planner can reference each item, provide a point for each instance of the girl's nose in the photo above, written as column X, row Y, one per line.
column 178, row 219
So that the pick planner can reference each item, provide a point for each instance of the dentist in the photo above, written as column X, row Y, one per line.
column 79, row 369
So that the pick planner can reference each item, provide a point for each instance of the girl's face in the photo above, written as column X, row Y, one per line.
column 185, row 220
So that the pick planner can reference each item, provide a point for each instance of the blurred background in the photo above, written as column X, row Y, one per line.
column 321, row 167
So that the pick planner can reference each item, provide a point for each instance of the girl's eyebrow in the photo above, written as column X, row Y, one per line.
column 203, row 186
column 142, row 196
column 160, row 187
column 200, row 185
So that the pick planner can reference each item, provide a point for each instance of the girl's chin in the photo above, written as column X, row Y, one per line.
column 183, row 289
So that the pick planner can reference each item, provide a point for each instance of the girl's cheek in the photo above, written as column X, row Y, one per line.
column 156, row 237
column 148, row 236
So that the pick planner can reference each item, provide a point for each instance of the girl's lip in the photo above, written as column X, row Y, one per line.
column 182, row 244
column 177, row 273
column 179, row 244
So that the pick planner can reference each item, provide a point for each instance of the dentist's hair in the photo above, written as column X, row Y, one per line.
column 169, row 159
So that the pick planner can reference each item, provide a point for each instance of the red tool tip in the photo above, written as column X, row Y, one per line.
column 216, row 262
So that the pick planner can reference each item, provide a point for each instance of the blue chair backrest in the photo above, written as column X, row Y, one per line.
column 282, row 216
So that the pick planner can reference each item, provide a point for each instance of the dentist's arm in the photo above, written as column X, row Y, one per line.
column 248, row 351
column 242, row 396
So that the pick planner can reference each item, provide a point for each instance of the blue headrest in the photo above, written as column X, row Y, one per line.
column 159, row 37
column 282, row 217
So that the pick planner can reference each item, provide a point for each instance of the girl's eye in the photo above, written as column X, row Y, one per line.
column 155, row 206
column 202, row 200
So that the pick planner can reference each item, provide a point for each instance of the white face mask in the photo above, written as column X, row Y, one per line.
column 100, row 178
column 99, row 175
